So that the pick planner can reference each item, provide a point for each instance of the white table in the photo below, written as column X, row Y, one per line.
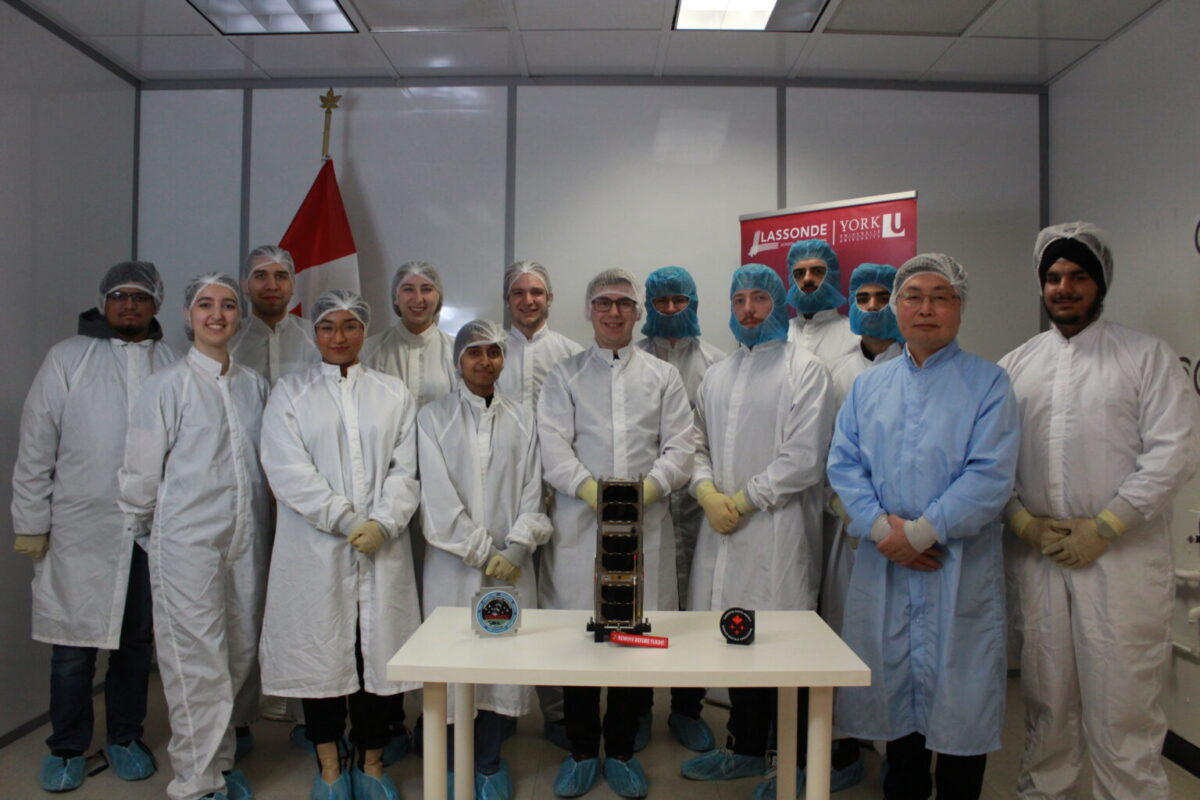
column 553, row 648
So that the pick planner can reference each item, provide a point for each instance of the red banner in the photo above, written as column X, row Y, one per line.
column 879, row 230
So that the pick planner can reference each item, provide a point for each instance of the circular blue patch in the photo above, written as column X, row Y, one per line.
column 497, row 611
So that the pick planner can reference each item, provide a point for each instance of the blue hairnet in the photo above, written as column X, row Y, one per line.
column 196, row 284
column 478, row 331
column 829, row 293
column 758, row 276
column 341, row 300
column 668, row 282
column 882, row 323
column 937, row 263
column 141, row 274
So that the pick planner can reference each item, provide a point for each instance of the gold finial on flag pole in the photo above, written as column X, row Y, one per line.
column 329, row 101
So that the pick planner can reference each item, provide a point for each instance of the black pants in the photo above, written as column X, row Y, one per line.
column 325, row 717
column 581, row 712
column 687, row 701
column 752, row 715
column 908, row 778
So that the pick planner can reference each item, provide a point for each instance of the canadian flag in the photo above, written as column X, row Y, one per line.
column 321, row 243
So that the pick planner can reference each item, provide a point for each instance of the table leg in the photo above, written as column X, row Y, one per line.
column 785, row 746
column 820, row 742
column 464, row 741
column 434, row 712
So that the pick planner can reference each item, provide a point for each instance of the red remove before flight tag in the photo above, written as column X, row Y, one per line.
column 637, row 641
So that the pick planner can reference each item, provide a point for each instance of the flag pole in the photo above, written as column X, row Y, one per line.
column 329, row 101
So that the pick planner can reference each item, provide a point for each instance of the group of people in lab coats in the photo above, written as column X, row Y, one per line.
column 287, row 499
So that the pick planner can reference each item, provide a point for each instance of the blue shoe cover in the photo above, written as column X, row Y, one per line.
column 131, row 762
column 396, row 748
column 556, row 734
column 850, row 775
column 367, row 787
column 722, row 765
column 626, row 778
column 243, row 746
column 61, row 774
column 576, row 777
column 497, row 786
column 766, row 789
column 237, row 787
column 642, row 737
column 338, row 790
column 694, row 734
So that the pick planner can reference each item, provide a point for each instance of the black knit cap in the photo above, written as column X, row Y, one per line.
column 1076, row 251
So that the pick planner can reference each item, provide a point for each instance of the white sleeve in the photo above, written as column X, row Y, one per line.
column 153, row 428
column 37, row 450
column 677, row 434
column 703, row 470
column 445, row 520
column 532, row 527
column 401, row 490
column 561, row 468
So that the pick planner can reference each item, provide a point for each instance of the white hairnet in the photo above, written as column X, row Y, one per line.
column 129, row 274
column 341, row 300
column 478, row 331
column 1048, row 246
column 426, row 271
column 270, row 254
column 192, row 290
column 609, row 282
column 520, row 268
column 938, row 263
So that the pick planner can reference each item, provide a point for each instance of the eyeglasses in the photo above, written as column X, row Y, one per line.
column 139, row 298
column 917, row 299
column 624, row 304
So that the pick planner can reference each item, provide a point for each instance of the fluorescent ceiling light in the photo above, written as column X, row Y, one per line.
column 275, row 16
column 748, row 15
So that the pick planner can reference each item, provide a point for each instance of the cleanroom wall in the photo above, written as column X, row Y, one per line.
column 66, row 215
column 1124, row 128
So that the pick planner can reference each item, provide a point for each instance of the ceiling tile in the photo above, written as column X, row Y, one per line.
column 451, row 53
column 735, row 53
column 309, row 55
column 167, row 57
column 124, row 17
column 606, row 15
column 435, row 14
column 861, row 56
column 1062, row 19
column 1008, row 60
column 591, row 52
column 889, row 16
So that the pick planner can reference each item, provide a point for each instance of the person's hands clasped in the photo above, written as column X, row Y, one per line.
column 367, row 537
column 502, row 569
column 897, row 549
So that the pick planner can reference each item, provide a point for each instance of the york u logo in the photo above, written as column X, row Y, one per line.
column 892, row 226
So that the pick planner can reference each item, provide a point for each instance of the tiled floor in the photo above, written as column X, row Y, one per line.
column 278, row 771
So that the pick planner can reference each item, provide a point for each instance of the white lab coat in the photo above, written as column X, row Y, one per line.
column 625, row 418
column 273, row 353
column 72, row 441
column 339, row 452
column 481, row 488
column 1107, row 422
column 838, row 554
column 192, row 481
column 766, row 418
column 527, row 362
column 827, row 335
column 424, row 361
column 692, row 356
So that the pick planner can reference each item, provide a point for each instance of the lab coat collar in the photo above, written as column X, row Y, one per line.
column 539, row 334
column 335, row 371
column 205, row 365
column 477, row 402
column 762, row 347
column 1082, row 339
column 820, row 318
column 945, row 354
column 417, row 339
column 624, row 355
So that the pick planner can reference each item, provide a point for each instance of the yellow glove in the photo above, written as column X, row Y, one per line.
column 367, row 538
column 741, row 503
column 1038, row 532
column 588, row 492
column 1083, row 546
column 839, row 508
column 649, row 492
column 502, row 569
column 33, row 546
column 719, row 508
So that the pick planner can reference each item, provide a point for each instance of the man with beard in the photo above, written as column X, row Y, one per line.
column 1108, row 436
column 272, row 342
column 816, row 294
column 91, row 589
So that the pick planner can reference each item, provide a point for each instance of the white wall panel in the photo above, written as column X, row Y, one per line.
column 640, row 178
column 1123, row 131
column 66, row 214
column 422, row 175
column 189, row 218
column 973, row 159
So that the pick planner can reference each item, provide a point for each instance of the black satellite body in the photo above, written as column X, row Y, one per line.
column 619, row 583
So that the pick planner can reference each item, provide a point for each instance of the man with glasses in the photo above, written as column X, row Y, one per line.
column 91, row 589
column 816, row 294
column 923, row 457
column 611, row 411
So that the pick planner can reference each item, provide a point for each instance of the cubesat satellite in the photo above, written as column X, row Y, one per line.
column 619, row 584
